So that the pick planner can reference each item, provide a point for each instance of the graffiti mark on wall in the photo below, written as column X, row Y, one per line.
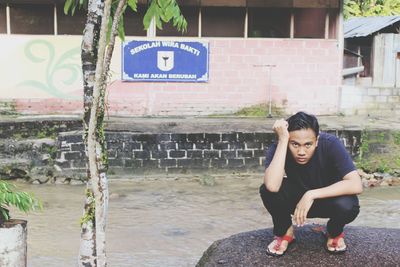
column 59, row 72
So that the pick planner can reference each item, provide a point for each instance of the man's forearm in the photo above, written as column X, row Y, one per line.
column 344, row 187
column 274, row 173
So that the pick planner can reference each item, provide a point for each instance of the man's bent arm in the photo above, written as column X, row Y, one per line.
column 350, row 185
column 276, row 170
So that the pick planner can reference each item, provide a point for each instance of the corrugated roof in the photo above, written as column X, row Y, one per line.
column 360, row 27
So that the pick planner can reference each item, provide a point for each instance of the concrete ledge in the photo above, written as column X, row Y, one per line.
column 366, row 247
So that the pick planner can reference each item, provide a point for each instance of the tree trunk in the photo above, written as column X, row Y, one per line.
column 87, row 251
column 92, row 247
column 96, row 144
column 114, row 32
column 95, row 72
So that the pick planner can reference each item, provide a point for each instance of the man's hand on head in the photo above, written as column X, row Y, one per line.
column 280, row 128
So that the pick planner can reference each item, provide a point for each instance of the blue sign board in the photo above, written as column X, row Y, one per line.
column 165, row 60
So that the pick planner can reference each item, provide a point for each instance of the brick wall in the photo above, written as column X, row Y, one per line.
column 306, row 77
column 132, row 153
column 171, row 152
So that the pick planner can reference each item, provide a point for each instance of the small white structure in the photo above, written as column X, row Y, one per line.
column 13, row 248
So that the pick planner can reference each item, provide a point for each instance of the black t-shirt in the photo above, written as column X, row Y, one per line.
column 329, row 164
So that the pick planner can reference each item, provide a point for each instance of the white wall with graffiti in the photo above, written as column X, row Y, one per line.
column 40, row 67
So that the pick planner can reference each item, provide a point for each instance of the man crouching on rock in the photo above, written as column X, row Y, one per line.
column 321, row 181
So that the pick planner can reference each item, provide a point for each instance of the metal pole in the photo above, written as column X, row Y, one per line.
column 269, row 66
column 270, row 93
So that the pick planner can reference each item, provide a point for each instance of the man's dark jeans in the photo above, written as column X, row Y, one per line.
column 340, row 210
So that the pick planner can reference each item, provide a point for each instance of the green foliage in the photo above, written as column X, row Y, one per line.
column 10, row 108
column 132, row 4
column 207, row 180
column 164, row 11
column 161, row 10
column 103, row 143
column 397, row 162
column 375, row 164
column 71, row 5
column 260, row 110
column 383, row 166
column 379, row 152
column 68, row 6
column 17, row 136
column 90, row 208
column 52, row 151
column 381, row 137
column 121, row 30
column 364, row 149
column 41, row 135
column 362, row 164
column 10, row 197
column 367, row 8
column 396, row 137
column 253, row 111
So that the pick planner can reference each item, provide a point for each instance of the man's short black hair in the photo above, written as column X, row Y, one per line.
column 302, row 120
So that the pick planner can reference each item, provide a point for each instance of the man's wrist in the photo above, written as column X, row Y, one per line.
column 313, row 194
column 283, row 140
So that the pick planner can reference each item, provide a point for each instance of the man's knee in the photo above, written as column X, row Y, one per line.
column 263, row 189
column 347, row 206
column 264, row 192
column 268, row 198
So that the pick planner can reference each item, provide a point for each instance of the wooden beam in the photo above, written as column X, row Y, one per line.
column 230, row 3
column 55, row 20
column 8, row 20
column 238, row 3
column 270, row 3
column 294, row 3
column 292, row 24
column 327, row 25
column 334, row 3
column 246, row 23
column 188, row 2
column 200, row 26
column 311, row 4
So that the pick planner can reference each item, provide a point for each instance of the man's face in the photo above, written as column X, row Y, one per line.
column 302, row 145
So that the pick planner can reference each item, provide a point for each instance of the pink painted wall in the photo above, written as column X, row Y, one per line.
column 306, row 77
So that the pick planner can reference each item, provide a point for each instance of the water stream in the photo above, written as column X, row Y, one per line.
column 167, row 222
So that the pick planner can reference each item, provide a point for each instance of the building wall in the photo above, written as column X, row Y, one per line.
column 363, row 100
column 41, row 75
column 380, row 93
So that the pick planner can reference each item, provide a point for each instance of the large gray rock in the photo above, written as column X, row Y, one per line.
column 366, row 247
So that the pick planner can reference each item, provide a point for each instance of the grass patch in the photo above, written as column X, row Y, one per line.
column 379, row 152
column 260, row 110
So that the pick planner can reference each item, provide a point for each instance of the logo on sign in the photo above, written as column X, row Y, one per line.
column 165, row 60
